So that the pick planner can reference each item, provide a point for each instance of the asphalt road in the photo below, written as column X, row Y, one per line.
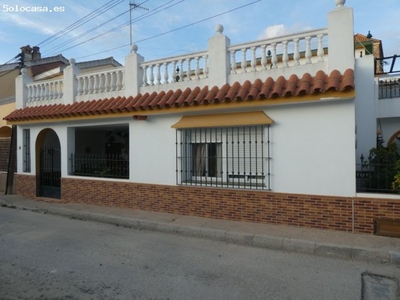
column 50, row 257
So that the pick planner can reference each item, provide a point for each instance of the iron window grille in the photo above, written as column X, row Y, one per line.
column 27, row 150
column 232, row 157
column 100, row 165
column 389, row 89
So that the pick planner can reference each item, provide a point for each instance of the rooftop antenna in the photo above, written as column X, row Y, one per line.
column 133, row 5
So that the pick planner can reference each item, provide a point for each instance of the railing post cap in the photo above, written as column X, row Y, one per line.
column 134, row 48
column 340, row 3
column 72, row 61
column 219, row 29
column 24, row 71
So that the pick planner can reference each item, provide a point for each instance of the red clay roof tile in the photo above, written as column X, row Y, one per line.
column 268, row 89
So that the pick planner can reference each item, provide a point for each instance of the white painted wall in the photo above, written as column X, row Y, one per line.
column 312, row 148
column 365, row 105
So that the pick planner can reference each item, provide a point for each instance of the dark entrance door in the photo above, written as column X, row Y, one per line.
column 50, row 172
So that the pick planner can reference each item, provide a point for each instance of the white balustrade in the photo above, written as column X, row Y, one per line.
column 101, row 82
column 282, row 52
column 46, row 92
column 175, row 69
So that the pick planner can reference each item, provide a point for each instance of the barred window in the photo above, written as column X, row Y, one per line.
column 27, row 150
column 234, row 157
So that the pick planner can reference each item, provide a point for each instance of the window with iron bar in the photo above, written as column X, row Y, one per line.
column 27, row 150
column 231, row 157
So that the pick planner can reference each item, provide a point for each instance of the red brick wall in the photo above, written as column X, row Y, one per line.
column 239, row 205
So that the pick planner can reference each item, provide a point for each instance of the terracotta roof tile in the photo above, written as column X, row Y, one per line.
column 278, row 87
column 268, row 89
column 319, row 82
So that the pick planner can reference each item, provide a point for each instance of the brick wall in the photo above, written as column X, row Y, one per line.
column 239, row 205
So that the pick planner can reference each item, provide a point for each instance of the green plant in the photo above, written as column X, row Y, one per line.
column 384, row 166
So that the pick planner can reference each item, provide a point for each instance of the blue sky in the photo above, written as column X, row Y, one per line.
column 248, row 20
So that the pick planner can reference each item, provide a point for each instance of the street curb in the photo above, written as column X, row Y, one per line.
column 255, row 240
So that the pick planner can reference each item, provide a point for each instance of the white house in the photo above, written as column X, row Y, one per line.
column 267, row 131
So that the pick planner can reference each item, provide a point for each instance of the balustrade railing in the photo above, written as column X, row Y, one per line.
column 101, row 82
column 389, row 88
column 46, row 92
column 287, row 51
column 175, row 69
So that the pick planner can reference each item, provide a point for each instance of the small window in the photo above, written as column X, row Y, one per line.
column 27, row 150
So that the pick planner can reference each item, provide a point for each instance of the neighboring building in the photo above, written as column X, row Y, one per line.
column 266, row 131
column 38, row 69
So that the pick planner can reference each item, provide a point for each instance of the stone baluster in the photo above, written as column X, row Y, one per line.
column 285, row 56
column 166, row 72
column 79, row 89
column 174, row 74
column 144, row 83
column 96, row 83
column 35, row 93
column 151, row 78
column 113, row 82
column 189, row 70
column 233, row 62
column 91, row 84
column 119, row 80
column 264, row 57
column 122, row 79
column 253, row 59
column 244, row 61
column 205, row 66
column 42, row 92
column 50, row 92
column 308, row 50
column 320, row 51
column 197, row 68
column 158, row 74
column 107, row 81
column 29, row 94
column 56, row 89
column 181, row 70
column 296, row 54
column 274, row 59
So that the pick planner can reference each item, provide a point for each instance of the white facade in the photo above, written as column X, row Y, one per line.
column 312, row 144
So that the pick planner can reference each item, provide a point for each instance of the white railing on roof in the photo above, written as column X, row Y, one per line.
column 287, row 51
column 101, row 82
column 45, row 92
column 179, row 68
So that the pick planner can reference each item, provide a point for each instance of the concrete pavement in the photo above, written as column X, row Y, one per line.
column 327, row 243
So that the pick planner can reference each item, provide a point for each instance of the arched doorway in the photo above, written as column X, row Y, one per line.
column 48, row 164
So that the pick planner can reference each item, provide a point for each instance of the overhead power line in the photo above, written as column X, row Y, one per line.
column 82, row 21
column 144, row 16
column 173, row 30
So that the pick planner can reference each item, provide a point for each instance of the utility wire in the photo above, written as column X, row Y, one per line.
column 144, row 16
column 96, row 27
column 82, row 21
column 173, row 30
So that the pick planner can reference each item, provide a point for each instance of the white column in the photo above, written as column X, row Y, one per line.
column 70, row 82
column 133, row 72
column 21, row 91
column 219, row 61
column 341, row 38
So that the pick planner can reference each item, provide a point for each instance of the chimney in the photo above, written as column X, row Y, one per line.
column 27, row 50
column 36, row 53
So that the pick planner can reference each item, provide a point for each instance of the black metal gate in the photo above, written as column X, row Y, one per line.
column 50, row 172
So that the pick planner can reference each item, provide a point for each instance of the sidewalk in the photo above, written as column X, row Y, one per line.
column 362, row 247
